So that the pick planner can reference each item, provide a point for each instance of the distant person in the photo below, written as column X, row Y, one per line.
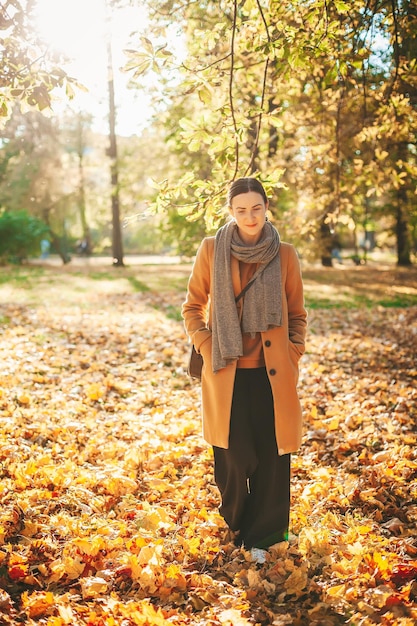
column 45, row 248
column 251, row 349
column 337, row 255
column 82, row 247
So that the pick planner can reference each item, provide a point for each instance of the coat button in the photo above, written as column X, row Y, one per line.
column 272, row 372
column 267, row 343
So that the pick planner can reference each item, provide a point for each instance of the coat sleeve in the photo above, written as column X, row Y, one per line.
column 297, row 314
column 195, row 310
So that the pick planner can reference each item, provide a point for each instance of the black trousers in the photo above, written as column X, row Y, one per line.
column 254, row 482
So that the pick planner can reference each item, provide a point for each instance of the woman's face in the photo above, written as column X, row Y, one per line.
column 249, row 210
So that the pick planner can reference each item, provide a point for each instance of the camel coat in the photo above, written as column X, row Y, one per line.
column 282, row 347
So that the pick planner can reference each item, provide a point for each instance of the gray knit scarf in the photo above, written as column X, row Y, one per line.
column 262, row 307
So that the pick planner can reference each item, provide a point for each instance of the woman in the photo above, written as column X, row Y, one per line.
column 250, row 348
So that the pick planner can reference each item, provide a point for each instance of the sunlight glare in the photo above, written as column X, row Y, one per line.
column 72, row 27
column 78, row 30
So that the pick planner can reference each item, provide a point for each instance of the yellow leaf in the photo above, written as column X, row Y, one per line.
column 337, row 591
column 232, row 617
column 66, row 613
column 135, row 544
column 193, row 546
column 94, row 587
column 90, row 546
column 363, row 530
column 297, row 581
column 24, row 399
column 95, row 391
column 72, row 567
column 148, row 579
column 38, row 603
column 332, row 423
column 173, row 573
column 150, row 555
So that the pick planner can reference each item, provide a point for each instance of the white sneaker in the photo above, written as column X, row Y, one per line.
column 258, row 555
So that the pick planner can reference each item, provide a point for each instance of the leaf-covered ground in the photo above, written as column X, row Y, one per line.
column 108, row 510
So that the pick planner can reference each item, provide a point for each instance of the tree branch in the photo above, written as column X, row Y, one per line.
column 396, row 40
column 232, row 110
column 259, row 124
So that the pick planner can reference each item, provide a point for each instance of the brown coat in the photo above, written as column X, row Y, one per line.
column 282, row 346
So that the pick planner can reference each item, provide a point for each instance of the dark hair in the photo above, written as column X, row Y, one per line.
column 243, row 185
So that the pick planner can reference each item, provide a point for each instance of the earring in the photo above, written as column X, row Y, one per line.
column 266, row 218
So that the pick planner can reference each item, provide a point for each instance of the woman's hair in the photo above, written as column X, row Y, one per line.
column 243, row 185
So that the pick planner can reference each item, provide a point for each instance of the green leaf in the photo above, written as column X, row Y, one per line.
column 69, row 91
column 341, row 6
column 147, row 45
column 205, row 95
column 162, row 52
column 140, row 65
column 4, row 109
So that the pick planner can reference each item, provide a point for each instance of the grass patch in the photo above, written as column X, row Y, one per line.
column 357, row 302
column 21, row 276
column 138, row 285
column 399, row 301
column 173, row 313
column 325, row 288
column 360, row 287
column 101, row 275
column 160, row 278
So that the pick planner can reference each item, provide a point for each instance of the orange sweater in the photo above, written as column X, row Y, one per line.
column 253, row 354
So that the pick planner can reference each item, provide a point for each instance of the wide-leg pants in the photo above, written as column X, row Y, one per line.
column 253, row 480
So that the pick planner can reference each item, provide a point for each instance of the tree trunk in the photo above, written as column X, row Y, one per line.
column 405, row 50
column 87, row 248
column 273, row 132
column 326, row 244
column 60, row 245
column 117, row 243
column 401, row 230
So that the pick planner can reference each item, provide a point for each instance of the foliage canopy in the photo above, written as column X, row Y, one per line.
column 29, row 72
column 318, row 99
